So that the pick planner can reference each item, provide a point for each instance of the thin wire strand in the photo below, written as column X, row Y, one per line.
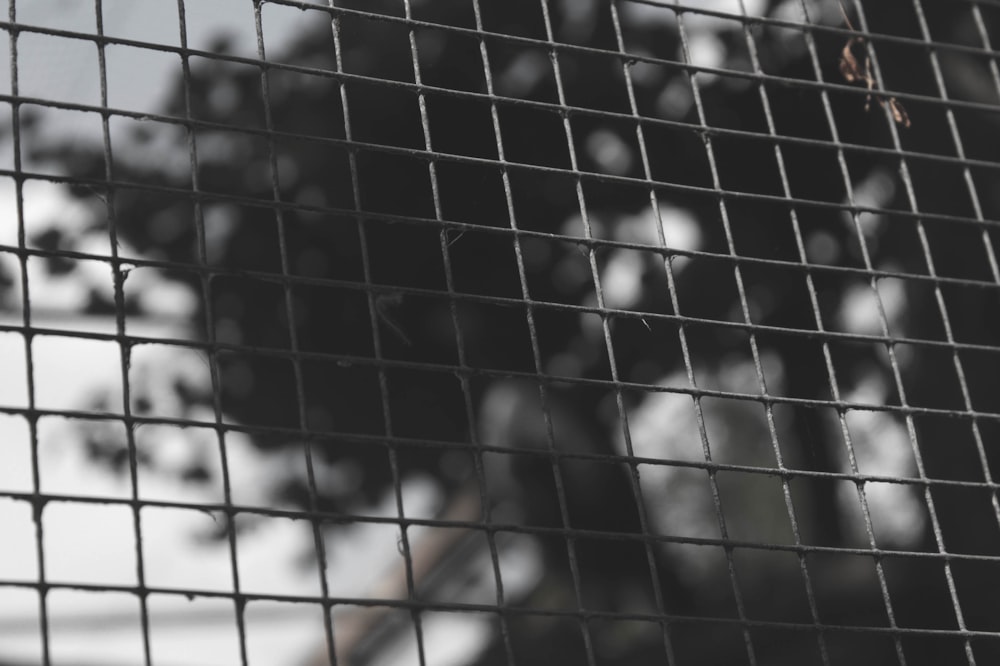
column 292, row 319
column 354, row 146
column 512, row 528
column 831, row 373
column 643, row 510
column 118, row 275
column 485, row 502
column 383, row 380
column 700, row 416
column 37, row 503
column 588, row 243
column 337, row 517
column 211, row 355
column 711, row 621
column 513, row 102
column 907, row 181
column 668, row 5
column 902, row 410
column 536, row 353
column 787, row 190
column 883, row 324
column 606, row 330
column 685, row 66
column 988, row 251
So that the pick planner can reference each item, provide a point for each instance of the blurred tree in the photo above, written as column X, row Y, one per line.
column 398, row 314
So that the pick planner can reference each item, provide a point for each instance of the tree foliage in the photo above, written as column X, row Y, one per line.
column 405, row 295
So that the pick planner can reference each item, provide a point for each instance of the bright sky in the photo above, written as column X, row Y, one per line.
column 67, row 70
column 93, row 543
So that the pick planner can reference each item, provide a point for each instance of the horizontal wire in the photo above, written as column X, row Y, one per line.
column 611, row 313
column 426, row 605
column 40, row 500
column 740, row 19
column 354, row 146
column 223, row 197
column 758, row 77
column 569, row 109
column 346, row 360
column 398, row 441
column 465, row 227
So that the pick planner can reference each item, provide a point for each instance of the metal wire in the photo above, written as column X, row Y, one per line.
column 698, row 331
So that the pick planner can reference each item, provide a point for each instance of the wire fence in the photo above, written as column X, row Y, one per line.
column 470, row 332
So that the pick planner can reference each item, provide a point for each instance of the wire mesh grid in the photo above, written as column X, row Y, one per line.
column 470, row 332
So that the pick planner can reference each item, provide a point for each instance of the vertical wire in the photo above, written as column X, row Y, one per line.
column 119, row 276
column 38, row 503
column 977, row 19
column 904, row 171
column 533, row 334
column 834, row 384
column 383, row 380
column 205, row 280
column 689, row 369
column 463, row 375
column 814, row 302
column 883, row 323
column 633, row 467
column 675, row 305
column 293, row 339
column 987, row 247
column 598, row 291
column 744, row 304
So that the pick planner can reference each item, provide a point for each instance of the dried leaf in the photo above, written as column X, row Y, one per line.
column 898, row 112
column 852, row 72
column 849, row 64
